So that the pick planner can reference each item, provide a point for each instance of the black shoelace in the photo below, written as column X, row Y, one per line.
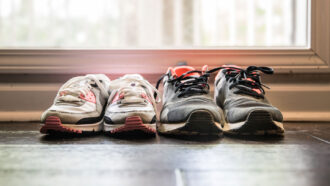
column 245, row 80
column 189, row 85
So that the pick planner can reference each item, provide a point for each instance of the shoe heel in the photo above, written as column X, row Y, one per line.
column 260, row 122
column 134, row 124
column 54, row 124
column 199, row 122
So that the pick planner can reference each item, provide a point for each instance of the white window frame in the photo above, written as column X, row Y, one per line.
column 315, row 59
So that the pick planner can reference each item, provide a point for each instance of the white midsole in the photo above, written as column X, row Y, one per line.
column 163, row 127
column 85, row 127
column 109, row 127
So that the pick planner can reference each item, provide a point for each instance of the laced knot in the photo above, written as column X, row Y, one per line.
column 139, row 91
column 73, row 94
column 188, row 84
column 129, row 95
column 247, row 81
column 79, row 88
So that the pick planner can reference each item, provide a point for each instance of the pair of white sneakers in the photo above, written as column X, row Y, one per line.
column 94, row 103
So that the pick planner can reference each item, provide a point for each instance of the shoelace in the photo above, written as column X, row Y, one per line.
column 132, row 95
column 189, row 85
column 247, row 81
column 150, row 90
column 73, row 90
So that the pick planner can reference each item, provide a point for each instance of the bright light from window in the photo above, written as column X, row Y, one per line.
column 153, row 23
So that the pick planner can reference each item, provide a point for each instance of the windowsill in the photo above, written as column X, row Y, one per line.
column 157, row 61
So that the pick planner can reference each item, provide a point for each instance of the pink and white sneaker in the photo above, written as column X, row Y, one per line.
column 131, row 107
column 78, row 106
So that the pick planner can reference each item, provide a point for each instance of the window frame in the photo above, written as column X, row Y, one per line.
column 119, row 61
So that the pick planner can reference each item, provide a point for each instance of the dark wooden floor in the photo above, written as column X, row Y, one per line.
column 301, row 158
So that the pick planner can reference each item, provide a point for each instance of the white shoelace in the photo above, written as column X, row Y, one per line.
column 133, row 95
column 73, row 88
column 129, row 91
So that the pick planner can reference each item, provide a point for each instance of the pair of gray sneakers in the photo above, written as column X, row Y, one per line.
column 239, row 105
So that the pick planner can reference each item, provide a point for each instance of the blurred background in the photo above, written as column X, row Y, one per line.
column 30, row 79
column 153, row 23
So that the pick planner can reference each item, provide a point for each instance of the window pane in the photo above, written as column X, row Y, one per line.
column 153, row 23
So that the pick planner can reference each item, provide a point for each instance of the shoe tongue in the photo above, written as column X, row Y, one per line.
column 178, row 71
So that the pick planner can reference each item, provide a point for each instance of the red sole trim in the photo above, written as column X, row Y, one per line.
column 54, row 123
column 133, row 123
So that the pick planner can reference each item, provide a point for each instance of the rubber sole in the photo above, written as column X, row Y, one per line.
column 199, row 122
column 258, row 123
column 133, row 126
column 53, row 125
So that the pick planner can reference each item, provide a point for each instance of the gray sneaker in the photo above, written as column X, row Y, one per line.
column 131, row 107
column 240, row 94
column 78, row 106
column 188, row 108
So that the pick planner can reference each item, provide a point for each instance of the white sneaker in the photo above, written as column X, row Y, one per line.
column 78, row 106
column 131, row 106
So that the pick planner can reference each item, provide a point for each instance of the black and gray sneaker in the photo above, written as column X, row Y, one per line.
column 188, row 108
column 239, row 92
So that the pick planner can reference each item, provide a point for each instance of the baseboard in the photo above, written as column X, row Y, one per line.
column 20, row 116
column 307, row 116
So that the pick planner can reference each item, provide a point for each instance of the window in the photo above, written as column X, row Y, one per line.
column 126, row 36
column 156, row 24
